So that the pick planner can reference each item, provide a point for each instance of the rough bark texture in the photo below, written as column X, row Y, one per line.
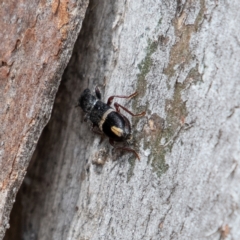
column 37, row 38
column 183, row 57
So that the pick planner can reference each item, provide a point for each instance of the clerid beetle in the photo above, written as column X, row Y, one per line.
column 110, row 121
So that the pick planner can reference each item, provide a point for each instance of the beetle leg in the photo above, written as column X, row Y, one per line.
column 98, row 93
column 117, row 106
column 86, row 117
column 124, row 148
column 110, row 99
column 96, row 130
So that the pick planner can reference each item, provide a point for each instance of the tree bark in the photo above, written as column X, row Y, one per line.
column 37, row 39
column 183, row 58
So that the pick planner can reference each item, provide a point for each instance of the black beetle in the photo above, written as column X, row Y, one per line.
column 111, row 122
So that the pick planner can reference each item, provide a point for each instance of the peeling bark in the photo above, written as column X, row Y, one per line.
column 183, row 59
column 37, row 39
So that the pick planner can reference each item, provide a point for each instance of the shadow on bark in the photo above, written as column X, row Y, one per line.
column 47, row 199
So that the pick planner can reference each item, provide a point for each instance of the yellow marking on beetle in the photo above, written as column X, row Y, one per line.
column 117, row 131
column 104, row 118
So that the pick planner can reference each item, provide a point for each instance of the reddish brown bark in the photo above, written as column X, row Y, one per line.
column 36, row 43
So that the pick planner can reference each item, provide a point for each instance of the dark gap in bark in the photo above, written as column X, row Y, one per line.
column 40, row 203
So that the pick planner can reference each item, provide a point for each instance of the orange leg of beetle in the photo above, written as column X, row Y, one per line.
column 110, row 99
column 117, row 106
column 125, row 149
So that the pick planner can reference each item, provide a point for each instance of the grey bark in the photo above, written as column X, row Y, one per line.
column 183, row 58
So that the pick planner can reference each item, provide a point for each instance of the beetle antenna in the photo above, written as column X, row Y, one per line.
column 98, row 93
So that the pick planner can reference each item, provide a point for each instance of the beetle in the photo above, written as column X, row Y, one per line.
column 108, row 120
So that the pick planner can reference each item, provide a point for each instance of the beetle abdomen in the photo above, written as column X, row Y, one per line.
column 116, row 126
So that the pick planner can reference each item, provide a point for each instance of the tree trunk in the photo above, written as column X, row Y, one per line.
column 183, row 59
column 37, row 39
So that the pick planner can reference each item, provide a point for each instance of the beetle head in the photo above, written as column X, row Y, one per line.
column 87, row 101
